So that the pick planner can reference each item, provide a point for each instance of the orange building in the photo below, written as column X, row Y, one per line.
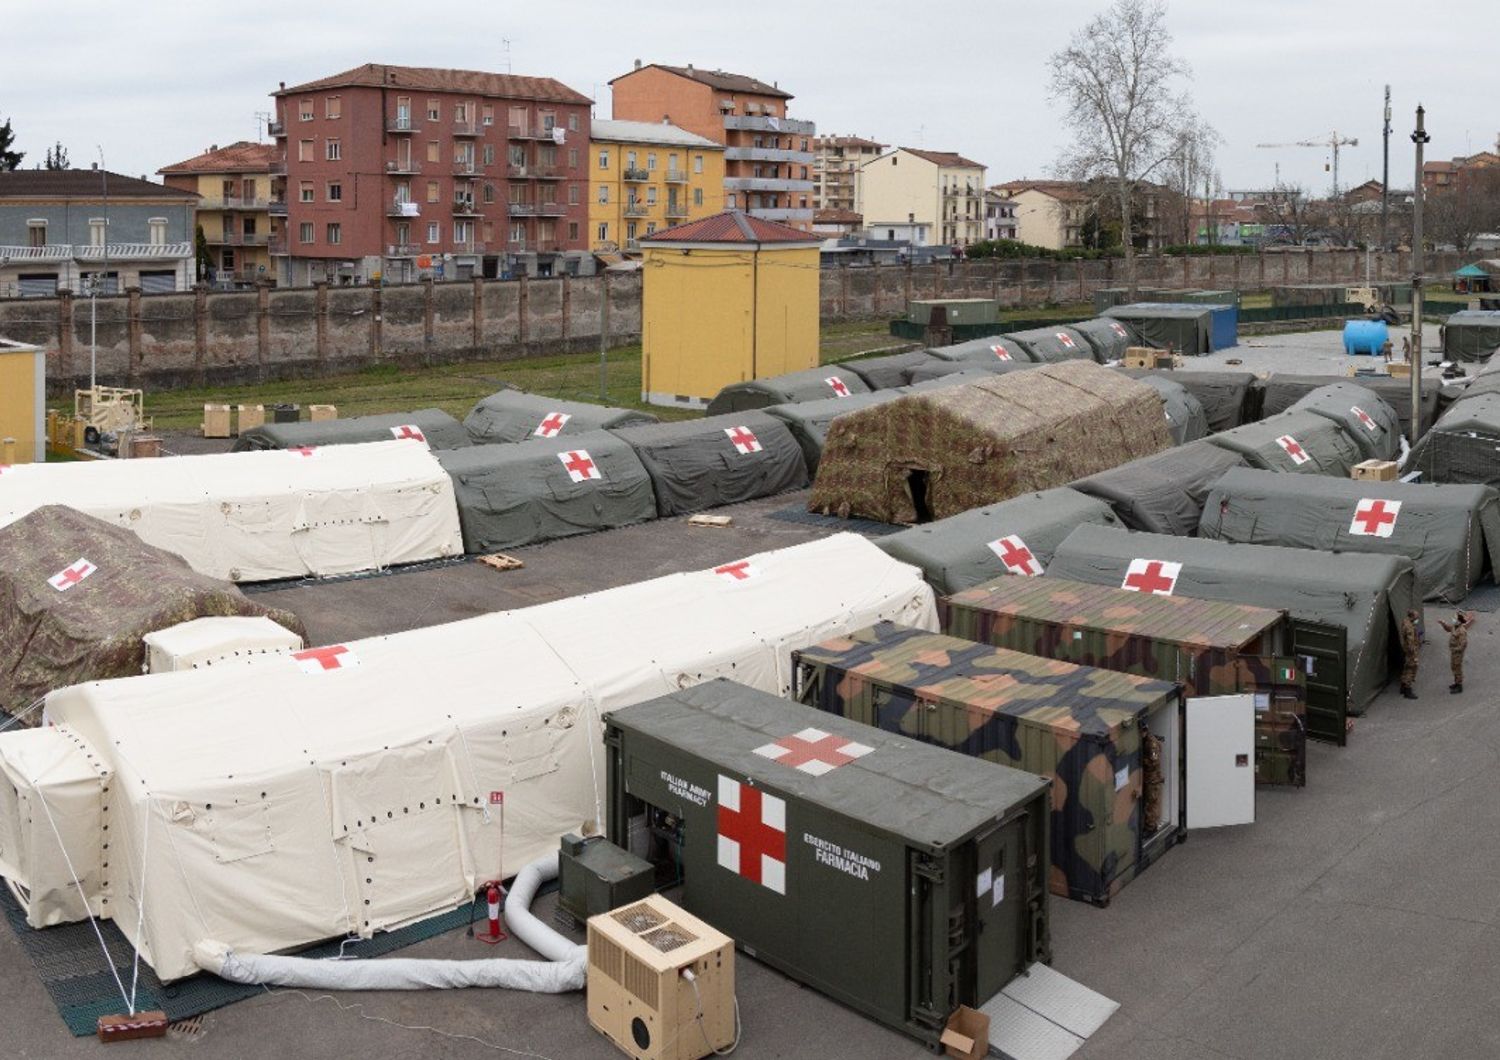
column 768, row 157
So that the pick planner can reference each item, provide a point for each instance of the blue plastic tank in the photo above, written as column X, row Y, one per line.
column 1365, row 336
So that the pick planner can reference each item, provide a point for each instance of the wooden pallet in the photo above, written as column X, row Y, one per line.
column 501, row 561
column 709, row 520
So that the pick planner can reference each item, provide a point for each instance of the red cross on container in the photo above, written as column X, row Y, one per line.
column 744, row 439
column 1374, row 518
column 321, row 660
column 1155, row 576
column 408, row 430
column 579, row 464
column 752, row 834
column 1017, row 558
column 813, row 751
column 552, row 424
column 1293, row 449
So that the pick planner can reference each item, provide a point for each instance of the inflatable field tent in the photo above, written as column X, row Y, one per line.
column 1016, row 536
column 1186, row 329
column 812, row 384
column 1362, row 414
column 1450, row 533
column 260, row 516
column 1052, row 344
column 1109, row 338
column 1228, row 398
column 356, row 787
column 1164, row 493
column 1186, row 419
column 1302, row 443
column 514, row 416
column 547, row 488
column 989, row 348
column 1362, row 595
column 808, row 420
column 932, row 454
column 77, row 595
column 704, row 463
column 930, row 376
column 1471, row 335
column 1281, row 392
column 889, row 371
column 1462, row 447
column 433, row 426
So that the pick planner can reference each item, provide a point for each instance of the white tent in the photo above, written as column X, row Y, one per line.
column 263, row 515
column 357, row 787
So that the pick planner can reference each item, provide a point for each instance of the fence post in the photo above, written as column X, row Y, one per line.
column 908, row 282
column 377, row 320
column 1187, row 280
column 262, row 328
column 200, row 332
column 567, row 308
column 1082, row 297
column 133, row 318
column 1052, row 284
column 476, row 315
column 937, row 279
column 523, row 298
column 844, row 291
column 320, row 319
column 427, row 320
column 65, row 335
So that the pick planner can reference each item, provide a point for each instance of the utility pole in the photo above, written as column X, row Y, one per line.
column 1385, row 176
column 1420, row 138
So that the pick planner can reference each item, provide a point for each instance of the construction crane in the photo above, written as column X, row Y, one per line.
column 1333, row 141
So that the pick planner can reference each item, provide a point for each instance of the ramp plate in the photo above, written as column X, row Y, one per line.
column 1043, row 1015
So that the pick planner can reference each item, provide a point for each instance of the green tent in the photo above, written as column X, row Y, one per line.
column 890, row 370
column 808, row 420
column 812, row 384
column 1472, row 335
column 1053, row 344
column 1185, row 417
column 1281, row 392
column 1302, row 443
column 1228, row 398
column 1109, row 338
column 1187, row 329
column 1373, row 424
column 1464, row 444
column 513, row 415
column 434, row 426
column 989, row 348
column 1164, row 493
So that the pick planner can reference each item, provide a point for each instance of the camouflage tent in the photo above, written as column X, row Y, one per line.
column 931, row 376
column 1463, row 444
column 1052, row 344
column 808, row 420
column 1373, row 424
column 513, row 415
column 703, row 463
column 78, row 594
column 1302, row 443
column 888, row 371
column 933, row 454
column 1187, row 329
column 1185, row 416
column 1080, row 727
column 1450, row 533
column 813, row 384
column 1281, row 392
column 1363, row 595
column 989, row 348
column 1471, row 335
column 1109, row 338
column 1016, row 536
column 547, row 488
column 1164, row 493
column 436, row 427
column 1228, row 398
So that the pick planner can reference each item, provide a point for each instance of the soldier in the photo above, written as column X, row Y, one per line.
column 1409, row 646
column 1458, row 641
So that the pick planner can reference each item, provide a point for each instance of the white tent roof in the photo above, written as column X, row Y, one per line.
column 275, row 803
column 262, row 515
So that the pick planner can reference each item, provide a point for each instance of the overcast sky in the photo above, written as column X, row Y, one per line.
column 152, row 82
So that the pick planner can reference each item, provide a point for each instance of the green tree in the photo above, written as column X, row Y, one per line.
column 9, row 158
column 200, row 248
column 57, row 157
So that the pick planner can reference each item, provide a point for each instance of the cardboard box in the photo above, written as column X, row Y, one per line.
column 215, row 421
column 251, row 416
column 967, row 1035
column 1399, row 368
column 1147, row 357
column 1374, row 471
column 323, row 412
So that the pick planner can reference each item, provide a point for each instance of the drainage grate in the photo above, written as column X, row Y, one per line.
column 190, row 1029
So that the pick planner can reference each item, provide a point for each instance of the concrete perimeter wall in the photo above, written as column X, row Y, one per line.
column 202, row 338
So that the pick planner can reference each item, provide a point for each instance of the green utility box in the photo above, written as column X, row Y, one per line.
column 900, row 879
column 1208, row 647
column 959, row 310
column 1112, row 745
column 595, row 876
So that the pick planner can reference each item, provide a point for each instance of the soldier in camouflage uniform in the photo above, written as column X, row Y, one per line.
column 1458, row 643
column 1409, row 648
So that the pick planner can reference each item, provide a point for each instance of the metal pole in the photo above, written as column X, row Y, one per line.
column 1385, row 177
column 604, row 338
column 1420, row 138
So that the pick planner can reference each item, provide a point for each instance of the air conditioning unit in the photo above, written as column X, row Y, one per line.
column 660, row 982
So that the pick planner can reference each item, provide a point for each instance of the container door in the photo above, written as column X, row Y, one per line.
column 999, row 906
column 1220, row 761
column 1320, row 650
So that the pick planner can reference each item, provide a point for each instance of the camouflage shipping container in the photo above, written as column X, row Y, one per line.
column 1209, row 648
column 828, row 851
column 1092, row 733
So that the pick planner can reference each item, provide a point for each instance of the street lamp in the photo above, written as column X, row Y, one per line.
column 1420, row 138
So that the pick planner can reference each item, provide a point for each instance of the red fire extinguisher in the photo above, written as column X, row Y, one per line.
column 493, row 894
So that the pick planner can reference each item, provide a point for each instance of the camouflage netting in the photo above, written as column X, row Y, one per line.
column 92, row 629
column 1302, row 443
column 933, row 454
column 1185, row 416
column 1228, row 398
column 1373, row 424
column 440, row 430
column 1013, row 537
column 1281, row 392
column 1450, row 533
column 1165, row 493
column 1053, row 344
column 813, row 384
column 1471, row 335
column 514, row 415
column 1109, row 338
column 989, row 348
column 891, row 370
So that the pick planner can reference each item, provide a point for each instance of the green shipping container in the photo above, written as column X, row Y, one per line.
column 1084, row 729
column 827, row 849
column 959, row 310
column 1210, row 648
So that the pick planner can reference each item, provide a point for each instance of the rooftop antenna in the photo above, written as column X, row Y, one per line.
column 262, row 120
column 505, row 52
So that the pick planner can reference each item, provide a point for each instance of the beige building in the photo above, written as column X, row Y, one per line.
column 234, row 185
column 929, row 197
column 837, row 161
column 1048, row 213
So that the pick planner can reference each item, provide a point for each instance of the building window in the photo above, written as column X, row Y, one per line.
column 432, row 191
column 572, row 122
column 650, row 228
column 572, row 158
column 804, row 172
column 518, row 234
column 489, row 154
column 36, row 233
column 305, row 110
column 434, row 151
column 434, row 110
column 335, row 234
column 697, row 163
column 731, row 201
column 460, row 113
column 489, row 192
column 158, row 229
column 630, row 159
column 651, row 160
column 603, row 231
column 96, row 233
column 463, row 231
column 335, row 191
column 305, row 232
column 572, row 194
column 304, row 150
column 489, row 232
column 433, row 233
column 332, row 150
column 549, row 121
column 487, row 114
column 604, row 158
column 547, row 154
column 697, row 196
column 630, row 229
column 804, row 143
column 332, row 107
column 573, row 231
column 651, row 195
column 403, row 232
column 604, row 193
column 403, row 191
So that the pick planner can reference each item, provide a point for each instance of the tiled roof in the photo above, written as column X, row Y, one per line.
column 722, row 80
column 83, row 184
column 833, row 216
column 847, row 141
column 946, row 159
column 241, row 157
column 732, row 226
column 653, row 132
column 435, row 79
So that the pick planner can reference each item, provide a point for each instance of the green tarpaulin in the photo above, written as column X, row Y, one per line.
column 1164, row 493
column 1053, row 344
column 888, row 371
column 1362, row 414
column 514, row 415
column 1299, row 442
column 1472, row 335
column 1185, row 416
column 989, row 348
column 809, row 420
column 1281, row 392
column 1109, row 338
column 434, row 426
column 1186, row 329
column 814, row 384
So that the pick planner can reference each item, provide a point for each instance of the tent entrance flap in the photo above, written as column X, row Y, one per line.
column 917, row 481
column 1320, row 649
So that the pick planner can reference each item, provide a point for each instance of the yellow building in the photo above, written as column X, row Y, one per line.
column 726, row 299
column 23, row 403
column 235, row 211
column 646, row 176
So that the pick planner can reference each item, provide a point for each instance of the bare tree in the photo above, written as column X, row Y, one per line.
column 1288, row 210
column 1458, row 216
column 1190, row 170
column 1117, row 79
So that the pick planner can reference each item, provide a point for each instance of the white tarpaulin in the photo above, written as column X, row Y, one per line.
column 355, row 787
column 260, row 516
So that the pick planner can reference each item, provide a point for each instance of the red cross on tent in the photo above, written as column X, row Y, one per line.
column 1001, row 352
column 752, row 834
column 324, row 659
column 739, row 571
column 1365, row 418
column 1374, row 518
column 303, row 450
column 1293, row 449
column 408, row 430
column 552, row 424
column 580, row 466
column 838, row 386
column 1066, row 339
column 744, row 439
column 4, row 468
column 1118, row 330
column 1155, row 576
column 1018, row 559
column 813, row 751
column 70, row 576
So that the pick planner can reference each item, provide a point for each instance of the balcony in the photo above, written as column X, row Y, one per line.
column 465, row 207
column 277, row 246
column 239, row 239
column 676, row 176
column 133, row 252
column 766, row 184
column 276, row 128
column 465, row 167
column 467, row 128
column 402, row 167
column 233, row 202
column 635, row 175
column 782, row 214
column 635, row 209
column 534, row 173
column 470, row 247
column 402, row 208
column 632, row 244
column 677, row 209
column 276, row 207
column 28, row 255
column 399, row 250
column 768, row 154
column 521, row 209
column 521, row 132
column 552, row 209
column 782, row 125
column 278, row 168
column 400, row 123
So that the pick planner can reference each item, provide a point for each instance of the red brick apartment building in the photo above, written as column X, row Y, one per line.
column 400, row 173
